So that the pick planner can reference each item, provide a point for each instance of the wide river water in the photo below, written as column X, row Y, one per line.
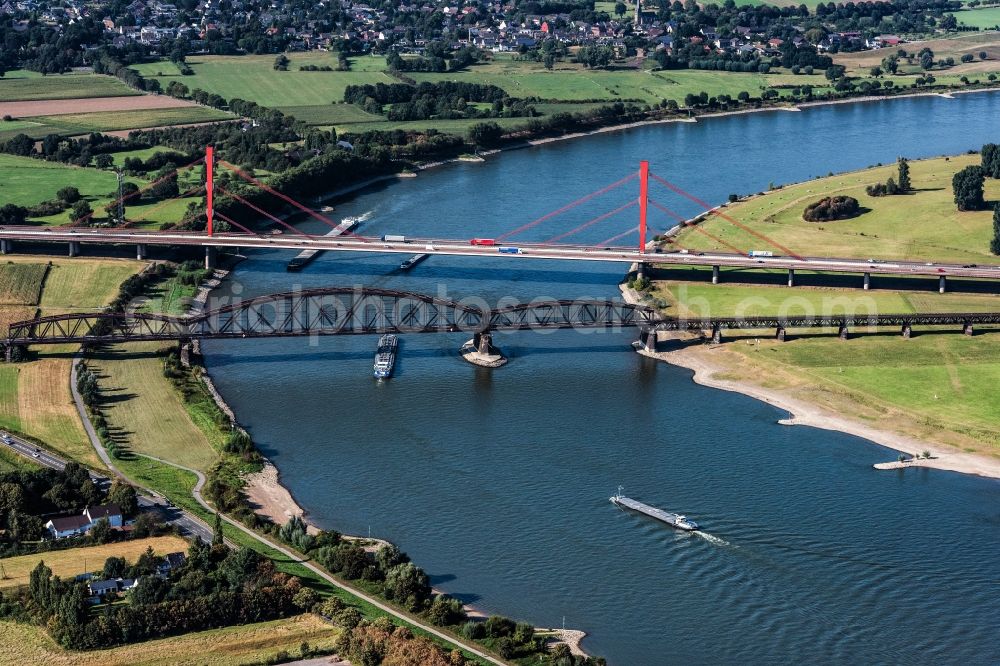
column 497, row 482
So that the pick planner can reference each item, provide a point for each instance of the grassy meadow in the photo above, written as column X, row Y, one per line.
column 228, row 646
column 939, row 385
column 922, row 226
column 147, row 414
column 74, row 561
column 984, row 18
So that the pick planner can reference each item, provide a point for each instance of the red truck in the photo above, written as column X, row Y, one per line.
column 483, row 241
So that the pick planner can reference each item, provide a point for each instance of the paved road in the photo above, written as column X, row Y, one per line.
column 292, row 241
column 189, row 525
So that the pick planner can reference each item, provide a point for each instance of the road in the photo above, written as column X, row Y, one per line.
column 514, row 250
column 190, row 526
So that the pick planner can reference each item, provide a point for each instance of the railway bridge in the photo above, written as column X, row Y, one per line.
column 375, row 311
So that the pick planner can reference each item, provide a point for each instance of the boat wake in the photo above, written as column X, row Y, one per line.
column 365, row 216
column 712, row 539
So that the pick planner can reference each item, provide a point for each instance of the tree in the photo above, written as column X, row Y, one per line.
column 217, row 538
column 81, row 211
column 904, row 175
column 967, row 186
column 68, row 194
column 114, row 567
column 486, row 134
column 995, row 243
column 991, row 160
column 104, row 161
column 834, row 72
column 875, row 72
column 620, row 9
column 101, row 531
column 890, row 63
column 12, row 214
column 123, row 494
column 281, row 63
column 926, row 58
column 407, row 584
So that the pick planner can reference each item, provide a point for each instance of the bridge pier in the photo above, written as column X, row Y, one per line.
column 868, row 281
column 941, row 284
column 6, row 246
column 967, row 328
column 716, row 334
column 715, row 275
column 650, row 340
column 74, row 248
column 791, row 277
column 907, row 331
column 779, row 334
column 140, row 251
column 211, row 256
column 842, row 332
column 480, row 351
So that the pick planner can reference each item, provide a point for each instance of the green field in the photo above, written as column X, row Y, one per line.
column 254, row 78
column 147, row 413
column 22, row 85
column 702, row 299
column 987, row 18
column 923, row 226
column 26, row 181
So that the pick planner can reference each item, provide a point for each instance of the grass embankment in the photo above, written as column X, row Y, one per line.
column 229, row 646
column 922, row 226
column 75, row 561
column 938, row 386
column 34, row 396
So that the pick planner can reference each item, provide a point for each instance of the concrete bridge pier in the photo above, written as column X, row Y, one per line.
column 780, row 334
column 907, row 331
column 211, row 256
column 791, row 277
column 640, row 270
column 967, row 328
column 140, row 251
column 480, row 351
column 650, row 340
column 74, row 248
column 715, row 275
column 842, row 332
column 868, row 281
column 716, row 334
column 6, row 246
column 941, row 284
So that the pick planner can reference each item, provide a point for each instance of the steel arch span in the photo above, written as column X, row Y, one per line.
column 332, row 311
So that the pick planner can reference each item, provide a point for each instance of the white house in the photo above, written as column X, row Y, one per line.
column 68, row 526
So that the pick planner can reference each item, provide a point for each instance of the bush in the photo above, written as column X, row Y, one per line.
column 832, row 208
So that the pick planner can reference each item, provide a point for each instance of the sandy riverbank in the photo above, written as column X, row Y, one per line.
column 699, row 359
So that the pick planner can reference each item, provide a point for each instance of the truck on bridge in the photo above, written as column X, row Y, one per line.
column 482, row 241
column 509, row 250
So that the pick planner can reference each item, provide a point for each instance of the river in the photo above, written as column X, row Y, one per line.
column 497, row 482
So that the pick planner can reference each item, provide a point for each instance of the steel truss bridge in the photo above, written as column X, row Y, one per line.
column 369, row 311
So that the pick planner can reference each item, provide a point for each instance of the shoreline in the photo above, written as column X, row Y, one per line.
column 801, row 412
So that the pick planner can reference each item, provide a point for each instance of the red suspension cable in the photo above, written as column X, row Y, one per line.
column 708, row 208
column 696, row 227
column 237, row 225
column 569, row 206
column 261, row 211
column 283, row 197
column 592, row 222
column 620, row 236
